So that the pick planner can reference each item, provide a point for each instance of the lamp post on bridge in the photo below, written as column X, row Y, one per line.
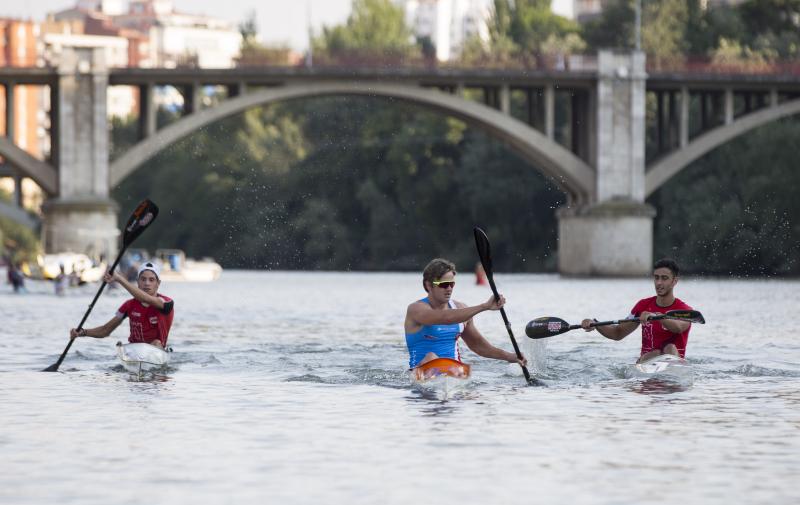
column 637, row 33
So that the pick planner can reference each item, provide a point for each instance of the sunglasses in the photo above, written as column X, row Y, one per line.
column 444, row 284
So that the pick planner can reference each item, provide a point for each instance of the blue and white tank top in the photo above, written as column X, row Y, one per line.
column 440, row 339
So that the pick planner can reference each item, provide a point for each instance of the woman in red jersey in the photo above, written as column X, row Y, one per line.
column 150, row 313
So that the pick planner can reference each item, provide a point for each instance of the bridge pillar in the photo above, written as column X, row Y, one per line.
column 613, row 233
column 81, row 218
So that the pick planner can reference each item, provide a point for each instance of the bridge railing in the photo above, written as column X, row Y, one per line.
column 706, row 66
column 365, row 60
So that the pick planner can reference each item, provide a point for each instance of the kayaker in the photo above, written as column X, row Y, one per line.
column 435, row 323
column 665, row 336
column 149, row 311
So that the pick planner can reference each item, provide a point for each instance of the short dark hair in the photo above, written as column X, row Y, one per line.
column 668, row 263
column 436, row 269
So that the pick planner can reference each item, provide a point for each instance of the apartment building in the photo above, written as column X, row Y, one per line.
column 23, row 104
column 447, row 23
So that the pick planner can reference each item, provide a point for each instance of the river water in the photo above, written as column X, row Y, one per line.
column 290, row 388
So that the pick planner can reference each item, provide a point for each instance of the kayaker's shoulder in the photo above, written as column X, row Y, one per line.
column 459, row 305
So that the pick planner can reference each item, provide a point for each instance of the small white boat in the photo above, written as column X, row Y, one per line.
column 664, row 367
column 175, row 266
column 441, row 378
column 138, row 358
column 50, row 265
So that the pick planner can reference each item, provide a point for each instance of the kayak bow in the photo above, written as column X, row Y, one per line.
column 441, row 377
column 140, row 357
column 665, row 367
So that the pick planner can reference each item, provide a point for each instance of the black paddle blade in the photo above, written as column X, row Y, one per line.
column 693, row 316
column 484, row 249
column 141, row 218
column 543, row 327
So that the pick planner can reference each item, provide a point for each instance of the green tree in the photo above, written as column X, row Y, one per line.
column 772, row 25
column 222, row 191
column 613, row 28
column 731, row 213
column 528, row 27
column 18, row 242
column 375, row 28
column 664, row 30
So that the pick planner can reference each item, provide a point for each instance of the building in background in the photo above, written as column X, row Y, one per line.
column 447, row 24
column 584, row 10
column 28, row 127
column 134, row 33
column 178, row 39
column 157, row 35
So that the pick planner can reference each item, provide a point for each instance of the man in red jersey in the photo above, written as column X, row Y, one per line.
column 150, row 312
column 665, row 336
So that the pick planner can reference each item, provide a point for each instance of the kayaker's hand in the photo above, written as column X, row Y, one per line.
column 586, row 324
column 644, row 316
column 108, row 278
column 74, row 333
column 513, row 359
column 492, row 304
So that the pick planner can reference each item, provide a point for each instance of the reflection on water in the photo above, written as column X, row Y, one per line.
column 657, row 386
column 292, row 388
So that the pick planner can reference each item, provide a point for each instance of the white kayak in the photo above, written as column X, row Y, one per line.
column 441, row 378
column 664, row 367
column 138, row 358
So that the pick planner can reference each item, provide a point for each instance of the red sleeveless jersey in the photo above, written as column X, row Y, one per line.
column 148, row 323
column 654, row 335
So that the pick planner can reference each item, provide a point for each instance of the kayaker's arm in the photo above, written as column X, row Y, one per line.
column 98, row 332
column 671, row 325
column 138, row 293
column 424, row 315
column 614, row 331
column 478, row 344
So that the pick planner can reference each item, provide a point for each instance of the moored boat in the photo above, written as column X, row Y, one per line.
column 442, row 377
column 138, row 358
column 175, row 266
column 49, row 267
column 664, row 367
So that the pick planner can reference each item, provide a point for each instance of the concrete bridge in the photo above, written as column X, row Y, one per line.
column 601, row 152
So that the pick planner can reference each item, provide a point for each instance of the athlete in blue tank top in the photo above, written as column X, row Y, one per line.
column 439, row 339
column 434, row 324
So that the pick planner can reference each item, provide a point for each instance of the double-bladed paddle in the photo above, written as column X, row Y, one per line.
column 141, row 218
column 543, row 327
column 485, row 254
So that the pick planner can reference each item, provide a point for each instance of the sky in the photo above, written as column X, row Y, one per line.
column 279, row 21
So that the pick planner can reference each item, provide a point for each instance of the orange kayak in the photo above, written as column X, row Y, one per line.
column 441, row 366
column 441, row 377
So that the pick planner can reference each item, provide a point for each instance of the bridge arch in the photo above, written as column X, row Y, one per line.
column 669, row 166
column 42, row 173
column 569, row 172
